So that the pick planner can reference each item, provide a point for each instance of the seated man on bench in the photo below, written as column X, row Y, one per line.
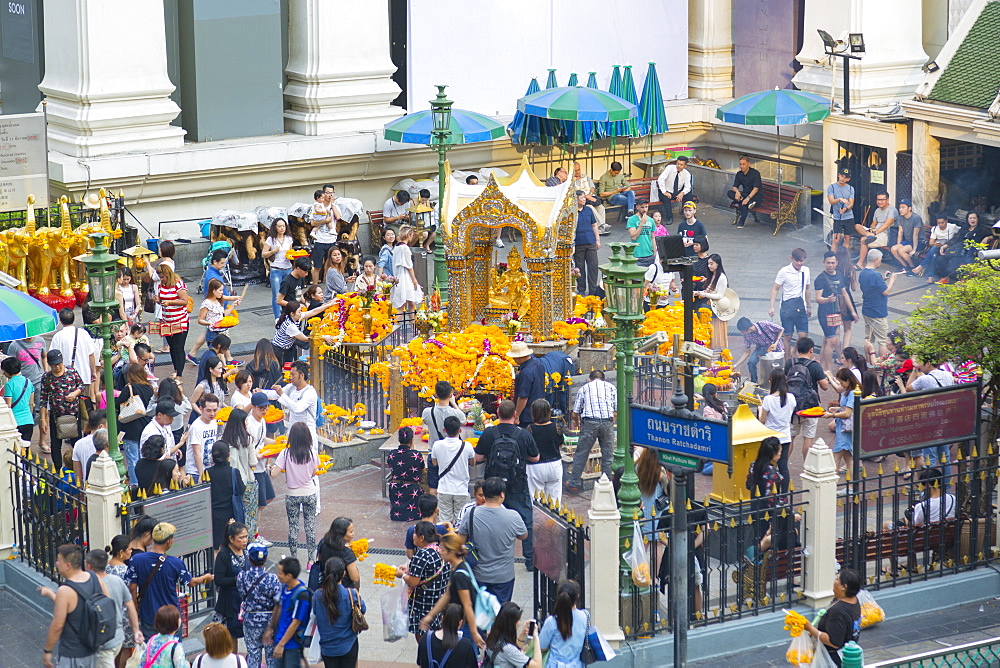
column 675, row 183
column 745, row 192
column 615, row 190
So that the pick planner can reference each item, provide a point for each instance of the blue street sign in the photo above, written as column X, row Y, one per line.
column 705, row 439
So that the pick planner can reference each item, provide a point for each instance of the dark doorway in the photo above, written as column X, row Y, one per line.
column 868, row 175
column 398, row 27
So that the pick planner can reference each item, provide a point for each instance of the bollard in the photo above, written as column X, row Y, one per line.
column 852, row 656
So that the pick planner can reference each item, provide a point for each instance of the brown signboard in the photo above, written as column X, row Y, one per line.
column 920, row 420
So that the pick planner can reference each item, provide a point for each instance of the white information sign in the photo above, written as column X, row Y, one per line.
column 24, row 163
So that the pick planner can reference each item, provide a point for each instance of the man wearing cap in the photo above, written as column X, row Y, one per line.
column 529, row 380
column 746, row 188
column 163, row 415
column 585, row 246
column 153, row 576
column 640, row 229
column 909, row 226
column 840, row 195
column 690, row 227
column 675, row 184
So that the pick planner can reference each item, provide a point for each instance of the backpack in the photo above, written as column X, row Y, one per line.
column 99, row 621
column 505, row 458
column 487, row 605
column 800, row 385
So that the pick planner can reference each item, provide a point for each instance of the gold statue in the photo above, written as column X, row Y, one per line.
column 509, row 290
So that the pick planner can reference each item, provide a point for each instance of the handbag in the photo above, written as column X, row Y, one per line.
column 833, row 320
column 239, row 508
column 67, row 427
column 587, row 654
column 133, row 409
column 795, row 305
column 358, row 621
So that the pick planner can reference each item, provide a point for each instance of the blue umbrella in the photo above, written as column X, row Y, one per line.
column 615, row 88
column 525, row 129
column 632, row 127
column 572, row 80
column 578, row 104
column 651, row 109
column 550, row 81
column 467, row 127
column 592, row 80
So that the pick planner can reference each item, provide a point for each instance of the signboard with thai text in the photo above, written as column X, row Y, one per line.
column 24, row 165
column 190, row 510
column 919, row 420
column 689, row 437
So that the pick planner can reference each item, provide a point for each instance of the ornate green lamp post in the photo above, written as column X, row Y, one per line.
column 441, row 115
column 624, row 282
column 102, row 269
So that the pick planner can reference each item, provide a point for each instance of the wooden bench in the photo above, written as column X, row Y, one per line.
column 376, row 227
column 781, row 213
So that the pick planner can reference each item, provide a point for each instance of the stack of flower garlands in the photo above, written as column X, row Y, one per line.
column 473, row 359
column 588, row 313
column 230, row 320
column 670, row 320
column 348, row 321
column 720, row 373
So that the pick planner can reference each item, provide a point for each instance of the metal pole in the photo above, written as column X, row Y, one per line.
column 679, row 575
column 687, row 296
column 847, row 86
column 440, row 267
column 109, row 392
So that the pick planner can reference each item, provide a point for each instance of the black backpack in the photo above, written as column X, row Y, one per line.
column 100, row 619
column 505, row 458
column 800, row 385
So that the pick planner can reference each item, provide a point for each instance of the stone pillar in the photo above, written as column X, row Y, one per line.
column 926, row 167
column 889, row 71
column 710, row 49
column 819, row 481
column 603, row 597
column 106, row 78
column 339, row 67
column 104, row 493
column 10, row 441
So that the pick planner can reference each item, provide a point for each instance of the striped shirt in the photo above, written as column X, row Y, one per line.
column 174, row 314
column 284, row 338
column 598, row 399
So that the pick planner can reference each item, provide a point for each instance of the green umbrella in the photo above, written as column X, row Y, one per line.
column 22, row 316
column 550, row 81
column 651, row 109
column 467, row 127
column 578, row 104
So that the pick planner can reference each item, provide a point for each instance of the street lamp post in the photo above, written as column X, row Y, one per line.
column 102, row 269
column 624, row 281
column 441, row 115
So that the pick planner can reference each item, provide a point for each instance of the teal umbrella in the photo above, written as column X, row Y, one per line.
column 651, row 109
column 550, row 81
column 578, row 104
column 525, row 129
column 467, row 127
column 592, row 80
column 633, row 127
column 775, row 107
column 572, row 80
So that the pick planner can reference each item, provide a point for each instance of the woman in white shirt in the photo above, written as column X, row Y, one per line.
column 278, row 243
column 715, row 288
column 776, row 411
column 242, row 391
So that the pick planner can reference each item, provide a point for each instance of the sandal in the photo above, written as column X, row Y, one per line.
column 164, row 349
column 46, row 450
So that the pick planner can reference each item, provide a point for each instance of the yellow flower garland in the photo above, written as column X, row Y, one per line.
column 670, row 320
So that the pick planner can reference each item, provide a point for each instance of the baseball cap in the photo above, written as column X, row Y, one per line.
column 905, row 366
column 690, row 205
column 257, row 552
column 163, row 532
column 641, row 200
column 166, row 406
column 259, row 399
column 906, row 201
column 845, row 171
column 54, row 357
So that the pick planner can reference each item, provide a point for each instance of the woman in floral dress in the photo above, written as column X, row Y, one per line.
column 406, row 466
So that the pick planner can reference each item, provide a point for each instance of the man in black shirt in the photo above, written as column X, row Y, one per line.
column 292, row 285
column 517, row 497
column 745, row 192
column 817, row 377
column 831, row 295
column 529, row 380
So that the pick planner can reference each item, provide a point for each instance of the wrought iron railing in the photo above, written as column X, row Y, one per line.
column 980, row 653
column 50, row 510
column 560, row 542
column 729, row 575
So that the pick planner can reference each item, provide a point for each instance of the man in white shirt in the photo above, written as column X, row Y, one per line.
column 942, row 233
column 452, row 456
column 396, row 209
column 162, row 424
column 201, row 436
column 298, row 398
column 322, row 219
column 78, row 348
column 794, row 283
column 675, row 184
column 929, row 376
column 84, row 448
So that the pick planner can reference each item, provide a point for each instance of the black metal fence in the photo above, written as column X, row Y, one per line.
column 653, row 381
column 49, row 511
column 560, row 542
column 743, row 559
column 900, row 526
column 201, row 598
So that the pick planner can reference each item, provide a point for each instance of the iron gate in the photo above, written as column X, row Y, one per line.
column 560, row 541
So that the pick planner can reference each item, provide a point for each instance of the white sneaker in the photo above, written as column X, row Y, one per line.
column 263, row 541
column 499, row 243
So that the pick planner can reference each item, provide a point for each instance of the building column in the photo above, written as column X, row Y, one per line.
column 106, row 78
column 926, row 167
column 710, row 49
column 603, row 595
column 888, row 72
column 104, row 494
column 338, row 67
column 819, row 482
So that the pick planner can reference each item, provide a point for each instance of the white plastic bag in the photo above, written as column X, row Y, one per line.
column 821, row 657
column 314, row 653
column 871, row 612
column 395, row 623
column 800, row 651
column 638, row 558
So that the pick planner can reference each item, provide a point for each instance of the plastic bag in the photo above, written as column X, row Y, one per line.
column 821, row 657
column 395, row 622
column 800, row 651
column 638, row 558
column 136, row 658
column 871, row 612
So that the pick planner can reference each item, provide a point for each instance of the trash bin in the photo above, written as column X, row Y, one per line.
column 765, row 365
column 153, row 244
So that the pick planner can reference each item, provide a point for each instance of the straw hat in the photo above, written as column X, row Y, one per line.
column 92, row 201
column 519, row 349
column 727, row 306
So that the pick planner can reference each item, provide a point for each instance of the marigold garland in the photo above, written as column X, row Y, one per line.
column 385, row 575
column 345, row 321
column 670, row 320
column 360, row 549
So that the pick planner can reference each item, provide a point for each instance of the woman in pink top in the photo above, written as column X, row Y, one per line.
column 299, row 462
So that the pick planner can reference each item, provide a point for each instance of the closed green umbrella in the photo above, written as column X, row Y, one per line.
column 651, row 109
column 550, row 81
column 572, row 80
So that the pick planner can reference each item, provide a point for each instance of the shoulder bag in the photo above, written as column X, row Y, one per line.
column 471, row 557
column 448, row 468
column 358, row 621
column 587, row 654
column 133, row 408
column 151, row 661
column 24, row 388
column 149, row 578
column 795, row 305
